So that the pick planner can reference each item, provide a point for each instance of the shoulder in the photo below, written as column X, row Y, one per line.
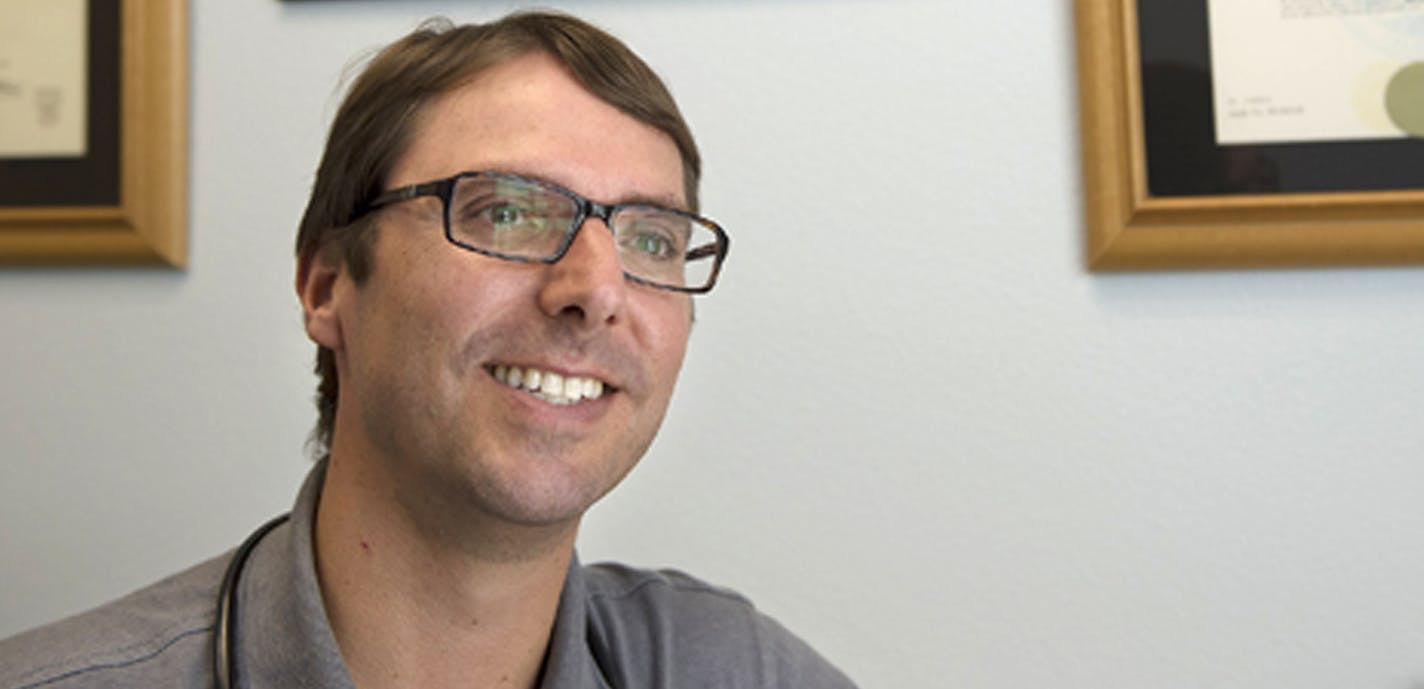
column 689, row 633
column 612, row 583
column 158, row 635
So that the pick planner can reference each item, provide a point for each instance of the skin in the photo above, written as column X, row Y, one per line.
column 451, row 504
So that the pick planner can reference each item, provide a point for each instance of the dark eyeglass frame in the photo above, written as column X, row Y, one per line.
column 444, row 189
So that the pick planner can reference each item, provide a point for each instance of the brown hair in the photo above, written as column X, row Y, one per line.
column 377, row 119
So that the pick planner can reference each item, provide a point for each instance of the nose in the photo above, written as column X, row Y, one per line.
column 586, row 286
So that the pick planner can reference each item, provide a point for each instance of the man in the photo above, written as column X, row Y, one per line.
column 496, row 348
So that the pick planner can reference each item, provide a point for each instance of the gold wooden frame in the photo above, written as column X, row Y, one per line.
column 1128, row 229
column 149, row 225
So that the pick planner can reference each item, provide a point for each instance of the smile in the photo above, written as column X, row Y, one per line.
column 548, row 386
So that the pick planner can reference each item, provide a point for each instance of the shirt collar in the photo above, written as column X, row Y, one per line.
column 570, row 661
column 279, row 595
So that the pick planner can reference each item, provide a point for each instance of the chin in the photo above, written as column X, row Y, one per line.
column 540, row 501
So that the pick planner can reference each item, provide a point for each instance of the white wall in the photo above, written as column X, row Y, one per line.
column 911, row 425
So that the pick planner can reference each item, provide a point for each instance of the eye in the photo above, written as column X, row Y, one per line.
column 499, row 212
column 498, row 216
column 652, row 235
column 652, row 244
column 505, row 214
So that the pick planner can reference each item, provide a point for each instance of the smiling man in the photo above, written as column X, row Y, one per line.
column 497, row 264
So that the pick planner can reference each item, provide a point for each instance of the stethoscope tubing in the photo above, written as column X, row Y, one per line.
column 225, row 631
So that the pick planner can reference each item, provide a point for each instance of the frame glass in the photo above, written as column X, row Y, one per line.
column 1159, row 193
column 444, row 189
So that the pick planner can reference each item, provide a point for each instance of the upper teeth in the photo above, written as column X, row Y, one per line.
column 548, row 386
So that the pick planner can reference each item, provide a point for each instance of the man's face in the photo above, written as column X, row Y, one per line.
column 417, row 344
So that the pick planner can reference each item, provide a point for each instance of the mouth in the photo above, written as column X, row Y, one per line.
column 551, row 387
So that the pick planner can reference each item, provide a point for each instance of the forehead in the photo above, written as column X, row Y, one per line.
column 528, row 115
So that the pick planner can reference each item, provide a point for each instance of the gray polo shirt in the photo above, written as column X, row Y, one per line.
column 617, row 627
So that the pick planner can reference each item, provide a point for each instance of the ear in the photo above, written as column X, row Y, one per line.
column 318, row 276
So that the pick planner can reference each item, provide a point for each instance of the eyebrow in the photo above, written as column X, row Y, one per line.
column 660, row 201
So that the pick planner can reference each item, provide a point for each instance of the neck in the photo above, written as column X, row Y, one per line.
column 415, row 605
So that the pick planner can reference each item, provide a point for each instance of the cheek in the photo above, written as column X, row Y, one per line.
column 445, row 292
column 667, row 335
column 403, row 325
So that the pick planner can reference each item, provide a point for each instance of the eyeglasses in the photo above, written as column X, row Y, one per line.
column 520, row 219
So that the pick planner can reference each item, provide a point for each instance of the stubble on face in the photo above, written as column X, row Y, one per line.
column 557, row 472
column 460, row 454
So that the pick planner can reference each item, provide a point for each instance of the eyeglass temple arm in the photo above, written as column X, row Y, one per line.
column 439, row 188
column 702, row 252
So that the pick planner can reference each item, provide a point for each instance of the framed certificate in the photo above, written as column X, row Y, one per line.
column 43, row 78
column 1207, row 143
column 93, row 158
